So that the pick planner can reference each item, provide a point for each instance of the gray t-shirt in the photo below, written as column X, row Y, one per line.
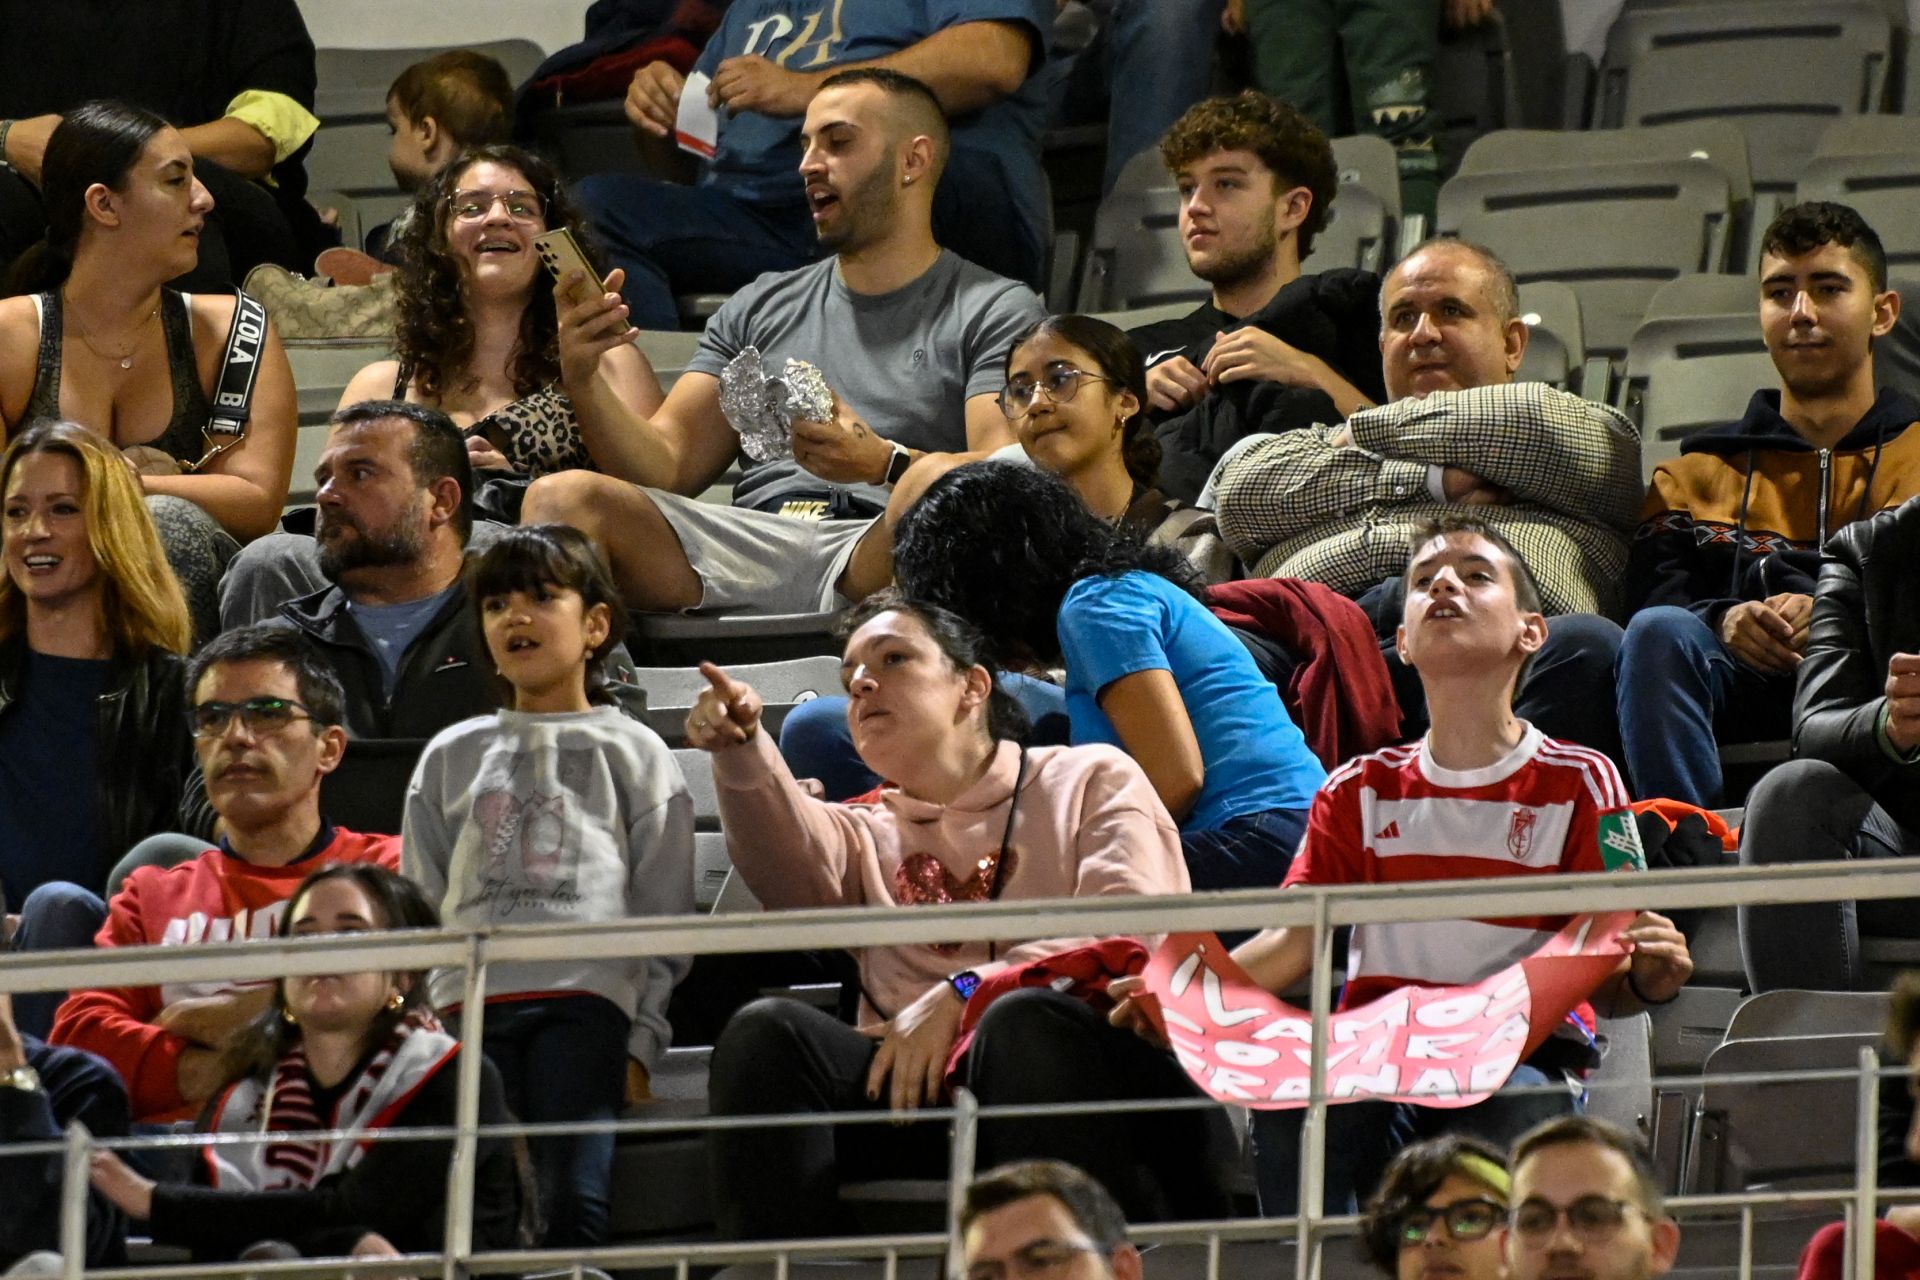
column 394, row 627
column 907, row 362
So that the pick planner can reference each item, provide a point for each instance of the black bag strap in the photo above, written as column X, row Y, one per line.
column 239, row 369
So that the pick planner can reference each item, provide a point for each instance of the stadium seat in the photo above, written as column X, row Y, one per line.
column 1873, row 164
column 368, row 792
column 1896, row 357
column 1475, row 90
column 1556, row 342
column 353, row 83
column 1739, row 1140
column 1686, row 374
column 660, row 1179
column 1366, row 224
column 1773, row 1014
column 1782, row 69
column 688, row 639
column 1640, row 224
column 1715, row 142
column 1620, row 1090
column 1702, row 294
column 351, row 159
column 322, row 367
column 669, row 351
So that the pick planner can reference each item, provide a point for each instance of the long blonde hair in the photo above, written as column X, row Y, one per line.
column 140, row 600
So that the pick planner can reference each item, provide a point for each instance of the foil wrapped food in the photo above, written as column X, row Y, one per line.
column 762, row 406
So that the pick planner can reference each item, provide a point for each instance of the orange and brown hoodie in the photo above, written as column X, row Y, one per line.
column 1742, row 513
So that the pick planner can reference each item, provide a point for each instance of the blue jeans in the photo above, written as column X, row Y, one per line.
column 55, row 917
column 1252, row 851
column 671, row 239
column 1680, row 691
column 816, row 743
column 1159, row 55
column 1363, row 1136
column 561, row 1059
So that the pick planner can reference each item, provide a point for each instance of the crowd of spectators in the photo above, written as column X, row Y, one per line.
column 1302, row 588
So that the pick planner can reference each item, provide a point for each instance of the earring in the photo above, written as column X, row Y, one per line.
column 286, row 1016
column 395, row 1000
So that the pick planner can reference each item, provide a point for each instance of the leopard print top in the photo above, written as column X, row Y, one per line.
column 537, row 433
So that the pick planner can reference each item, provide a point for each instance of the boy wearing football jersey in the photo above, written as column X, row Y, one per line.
column 1483, row 794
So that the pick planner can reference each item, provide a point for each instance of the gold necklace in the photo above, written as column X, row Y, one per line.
column 125, row 358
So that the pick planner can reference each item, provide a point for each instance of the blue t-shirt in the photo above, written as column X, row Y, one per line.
column 394, row 627
column 758, row 156
column 49, row 777
column 1254, row 755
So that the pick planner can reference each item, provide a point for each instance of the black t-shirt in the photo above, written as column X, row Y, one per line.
column 185, row 59
column 50, row 777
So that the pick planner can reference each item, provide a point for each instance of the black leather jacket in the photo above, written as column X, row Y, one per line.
column 145, row 749
column 1865, row 610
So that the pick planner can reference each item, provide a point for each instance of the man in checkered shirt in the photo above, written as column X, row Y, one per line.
column 1557, row 475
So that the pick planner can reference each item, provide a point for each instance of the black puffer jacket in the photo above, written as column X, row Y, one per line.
column 145, row 749
column 1865, row 610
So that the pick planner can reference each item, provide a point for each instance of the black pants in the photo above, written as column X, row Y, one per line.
column 1033, row 1046
column 246, row 228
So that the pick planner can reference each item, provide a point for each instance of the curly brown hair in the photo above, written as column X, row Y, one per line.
column 434, row 336
column 1286, row 141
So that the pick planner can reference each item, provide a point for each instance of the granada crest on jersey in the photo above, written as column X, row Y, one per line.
column 1520, row 833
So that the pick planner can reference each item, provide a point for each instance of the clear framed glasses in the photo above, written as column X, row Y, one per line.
column 1466, row 1220
column 261, row 716
column 1061, row 383
column 1035, row 1261
column 524, row 207
column 1592, row 1218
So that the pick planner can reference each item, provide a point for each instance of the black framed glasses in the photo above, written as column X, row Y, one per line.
column 259, row 715
column 1466, row 1220
column 1061, row 383
column 1591, row 1218
column 1033, row 1261
column 472, row 206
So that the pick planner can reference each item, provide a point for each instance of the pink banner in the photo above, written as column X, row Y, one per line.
column 1436, row 1046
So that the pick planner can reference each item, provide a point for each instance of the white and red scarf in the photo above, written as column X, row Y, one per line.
column 282, row 1104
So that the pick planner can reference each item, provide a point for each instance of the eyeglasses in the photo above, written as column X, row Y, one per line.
column 1591, row 1218
column 1033, row 1261
column 261, row 716
column 472, row 206
column 1061, row 383
column 1465, row 1219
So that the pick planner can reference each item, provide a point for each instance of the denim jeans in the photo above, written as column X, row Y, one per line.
column 1680, row 691
column 55, row 917
column 672, row 239
column 1811, row 811
column 564, row 1058
column 1363, row 1136
column 816, row 743
column 1252, row 851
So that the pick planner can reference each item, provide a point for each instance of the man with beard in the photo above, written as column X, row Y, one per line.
column 266, row 715
column 394, row 625
column 912, row 339
column 1271, row 349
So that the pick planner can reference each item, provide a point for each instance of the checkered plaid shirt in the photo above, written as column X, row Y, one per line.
column 1297, row 505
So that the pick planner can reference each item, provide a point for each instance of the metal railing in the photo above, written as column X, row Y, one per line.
column 1320, row 908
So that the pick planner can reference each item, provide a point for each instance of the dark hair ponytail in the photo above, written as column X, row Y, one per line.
column 1114, row 357
column 95, row 142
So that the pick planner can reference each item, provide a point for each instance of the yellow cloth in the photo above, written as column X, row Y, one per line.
column 281, row 120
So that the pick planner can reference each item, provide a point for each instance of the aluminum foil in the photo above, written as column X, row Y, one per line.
column 755, row 406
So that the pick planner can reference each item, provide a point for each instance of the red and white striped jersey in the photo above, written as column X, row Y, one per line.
column 1396, row 816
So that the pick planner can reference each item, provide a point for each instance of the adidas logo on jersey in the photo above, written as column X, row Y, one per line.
column 1389, row 832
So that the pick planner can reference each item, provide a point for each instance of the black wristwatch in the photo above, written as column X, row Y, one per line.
column 964, row 983
column 897, row 465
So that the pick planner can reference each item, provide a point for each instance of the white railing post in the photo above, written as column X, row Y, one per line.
column 78, row 1161
column 1313, row 1134
column 458, row 1244
column 1866, row 1156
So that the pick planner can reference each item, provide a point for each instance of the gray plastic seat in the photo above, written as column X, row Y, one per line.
column 1703, row 294
column 1638, row 225
column 351, row 159
column 1556, row 343
column 1683, row 394
column 1782, row 69
column 1883, row 186
column 1719, row 143
column 1772, row 1014
column 1739, row 1138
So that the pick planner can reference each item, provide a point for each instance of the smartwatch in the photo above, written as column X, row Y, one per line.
column 964, row 983
column 898, row 464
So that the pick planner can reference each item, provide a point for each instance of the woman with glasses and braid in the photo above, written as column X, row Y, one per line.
column 1434, row 1214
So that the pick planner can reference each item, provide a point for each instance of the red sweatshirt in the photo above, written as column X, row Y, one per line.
column 216, row 897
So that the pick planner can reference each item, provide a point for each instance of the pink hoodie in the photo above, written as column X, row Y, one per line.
column 1087, row 822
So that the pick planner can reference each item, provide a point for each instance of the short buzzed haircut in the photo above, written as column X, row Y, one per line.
column 1286, row 141
column 438, row 452
column 1503, row 289
column 1802, row 228
column 465, row 92
column 1567, row 1131
column 1526, row 590
column 920, row 107
column 1091, row 1205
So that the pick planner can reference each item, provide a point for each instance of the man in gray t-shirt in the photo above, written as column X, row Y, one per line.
column 912, row 338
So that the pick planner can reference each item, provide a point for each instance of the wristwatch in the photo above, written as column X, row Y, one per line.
column 23, row 1078
column 897, row 465
column 964, row 983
